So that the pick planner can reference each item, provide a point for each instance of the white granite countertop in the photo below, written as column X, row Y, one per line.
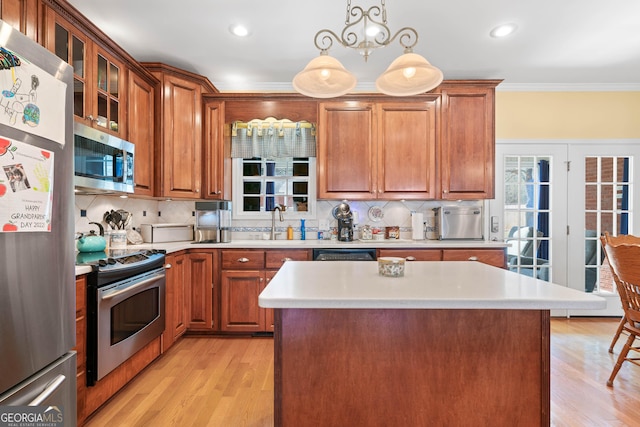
column 310, row 244
column 430, row 285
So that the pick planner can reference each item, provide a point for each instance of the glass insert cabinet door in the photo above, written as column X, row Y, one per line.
column 71, row 46
column 98, row 77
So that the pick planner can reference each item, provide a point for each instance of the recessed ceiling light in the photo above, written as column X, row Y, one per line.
column 239, row 30
column 503, row 30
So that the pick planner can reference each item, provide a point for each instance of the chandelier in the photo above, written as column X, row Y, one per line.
column 365, row 31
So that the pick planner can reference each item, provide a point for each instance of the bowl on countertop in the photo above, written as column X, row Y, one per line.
column 391, row 266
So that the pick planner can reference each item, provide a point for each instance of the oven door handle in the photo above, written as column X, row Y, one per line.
column 129, row 288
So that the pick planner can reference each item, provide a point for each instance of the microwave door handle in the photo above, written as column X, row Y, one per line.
column 128, row 288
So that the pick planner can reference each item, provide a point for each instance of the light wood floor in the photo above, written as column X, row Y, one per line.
column 203, row 381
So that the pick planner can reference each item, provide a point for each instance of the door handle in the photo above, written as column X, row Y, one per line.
column 48, row 391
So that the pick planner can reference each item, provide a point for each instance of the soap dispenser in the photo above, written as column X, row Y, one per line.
column 302, row 230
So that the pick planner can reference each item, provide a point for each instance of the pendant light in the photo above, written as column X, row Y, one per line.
column 326, row 77
column 409, row 74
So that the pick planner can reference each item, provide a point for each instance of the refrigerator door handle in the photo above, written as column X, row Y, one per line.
column 51, row 388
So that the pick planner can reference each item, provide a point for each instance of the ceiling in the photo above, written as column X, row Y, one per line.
column 569, row 43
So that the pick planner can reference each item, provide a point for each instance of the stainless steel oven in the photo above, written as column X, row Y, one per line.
column 125, row 309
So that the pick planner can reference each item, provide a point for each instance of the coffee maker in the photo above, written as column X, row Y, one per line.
column 213, row 222
column 345, row 223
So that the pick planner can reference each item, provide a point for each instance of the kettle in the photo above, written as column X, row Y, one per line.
column 92, row 242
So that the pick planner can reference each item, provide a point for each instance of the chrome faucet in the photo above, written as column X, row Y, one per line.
column 280, row 209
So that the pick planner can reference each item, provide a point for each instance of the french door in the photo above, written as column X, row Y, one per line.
column 554, row 200
column 530, row 208
column 602, row 193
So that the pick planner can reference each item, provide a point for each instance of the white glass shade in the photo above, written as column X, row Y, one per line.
column 409, row 74
column 324, row 77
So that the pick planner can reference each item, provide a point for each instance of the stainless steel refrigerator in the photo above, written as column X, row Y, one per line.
column 37, row 274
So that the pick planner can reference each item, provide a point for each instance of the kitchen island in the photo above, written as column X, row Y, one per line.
column 450, row 343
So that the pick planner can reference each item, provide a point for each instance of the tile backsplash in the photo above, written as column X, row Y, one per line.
column 145, row 211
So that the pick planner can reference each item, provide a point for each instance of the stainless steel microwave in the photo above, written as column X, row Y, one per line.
column 103, row 163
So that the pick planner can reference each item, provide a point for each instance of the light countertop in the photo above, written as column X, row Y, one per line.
column 312, row 243
column 425, row 285
column 309, row 244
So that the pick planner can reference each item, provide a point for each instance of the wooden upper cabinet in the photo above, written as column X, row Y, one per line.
column 214, row 152
column 21, row 15
column 73, row 46
column 141, row 119
column 346, row 162
column 99, row 85
column 108, row 110
column 467, row 158
column 369, row 150
column 180, row 130
column 406, row 150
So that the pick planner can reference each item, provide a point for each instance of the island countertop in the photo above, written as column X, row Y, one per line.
column 425, row 285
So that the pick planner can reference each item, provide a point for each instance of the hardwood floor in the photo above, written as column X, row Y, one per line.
column 203, row 381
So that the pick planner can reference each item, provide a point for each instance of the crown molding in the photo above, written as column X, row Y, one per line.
column 502, row 87
column 568, row 87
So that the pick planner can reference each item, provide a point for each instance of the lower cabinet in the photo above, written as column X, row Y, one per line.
column 245, row 273
column 175, row 299
column 189, row 294
column 80, row 348
column 239, row 310
column 412, row 254
column 199, row 279
column 495, row 257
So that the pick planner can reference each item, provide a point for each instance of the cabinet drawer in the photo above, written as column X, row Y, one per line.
column 495, row 257
column 413, row 254
column 242, row 260
column 275, row 258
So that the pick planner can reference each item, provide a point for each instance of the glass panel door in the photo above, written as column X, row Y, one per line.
column 602, row 191
column 529, row 211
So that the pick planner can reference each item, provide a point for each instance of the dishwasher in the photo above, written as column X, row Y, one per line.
column 354, row 254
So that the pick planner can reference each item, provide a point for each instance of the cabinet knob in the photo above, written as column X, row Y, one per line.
column 197, row 190
column 410, row 258
column 285, row 259
column 90, row 118
column 218, row 192
column 261, row 279
column 243, row 259
column 167, row 266
column 445, row 191
column 473, row 258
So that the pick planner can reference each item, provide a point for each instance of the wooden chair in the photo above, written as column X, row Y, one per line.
column 624, row 239
column 626, row 274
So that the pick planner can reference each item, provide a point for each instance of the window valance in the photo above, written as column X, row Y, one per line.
column 271, row 137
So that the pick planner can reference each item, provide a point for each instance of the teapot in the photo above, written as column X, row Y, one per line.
column 92, row 242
